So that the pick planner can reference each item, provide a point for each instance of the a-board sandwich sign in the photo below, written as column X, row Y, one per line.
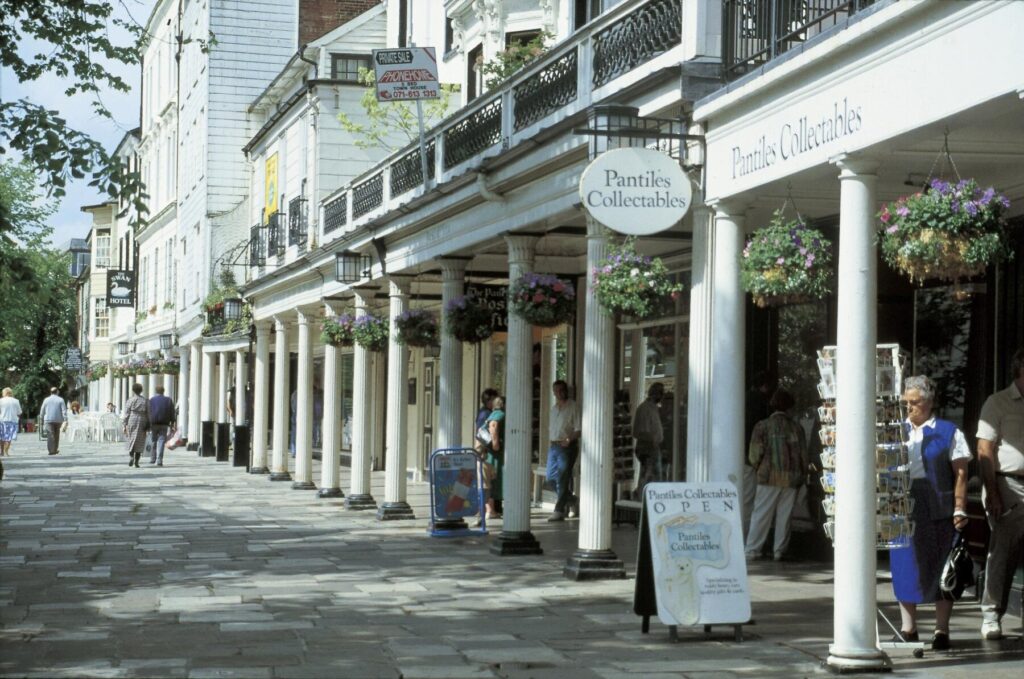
column 455, row 485
column 406, row 73
column 696, row 545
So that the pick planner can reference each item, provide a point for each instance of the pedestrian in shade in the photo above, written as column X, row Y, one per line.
column 496, row 457
column 53, row 413
column 564, row 430
column 161, row 417
column 136, row 423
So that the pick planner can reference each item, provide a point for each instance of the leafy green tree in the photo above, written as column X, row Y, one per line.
column 513, row 58
column 36, row 292
column 392, row 125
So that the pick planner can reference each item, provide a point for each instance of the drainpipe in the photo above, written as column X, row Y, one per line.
column 301, row 54
column 485, row 191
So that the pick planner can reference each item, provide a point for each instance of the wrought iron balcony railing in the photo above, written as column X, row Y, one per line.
column 298, row 222
column 257, row 246
column 756, row 31
column 562, row 83
column 275, row 235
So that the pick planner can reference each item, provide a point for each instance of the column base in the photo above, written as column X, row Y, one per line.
column 259, row 470
column 848, row 662
column 280, row 476
column 360, row 502
column 330, row 492
column 515, row 544
column 395, row 511
column 594, row 564
column 303, row 485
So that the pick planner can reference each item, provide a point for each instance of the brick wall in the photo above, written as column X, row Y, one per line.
column 317, row 17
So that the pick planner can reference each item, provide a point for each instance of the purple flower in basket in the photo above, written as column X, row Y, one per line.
column 987, row 196
column 971, row 208
column 941, row 186
column 902, row 211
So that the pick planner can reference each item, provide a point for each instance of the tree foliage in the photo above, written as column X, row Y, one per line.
column 74, row 45
column 37, row 291
column 392, row 125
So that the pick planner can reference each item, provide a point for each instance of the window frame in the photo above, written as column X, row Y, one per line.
column 364, row 59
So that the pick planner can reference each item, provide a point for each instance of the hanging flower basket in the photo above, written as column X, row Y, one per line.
column 946, row 232
column 631, row 283
column 467, row 319
column 786, row 262
column 543, row 300
column 337, row 331
column 370, row 332
column 416, row 328
column 169, row 367
column 95, row 372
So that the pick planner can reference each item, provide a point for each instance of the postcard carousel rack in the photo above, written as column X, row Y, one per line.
column 893, row 527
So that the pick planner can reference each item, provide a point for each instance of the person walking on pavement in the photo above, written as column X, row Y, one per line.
column 564, row 429
column 649, row 434
column 136, row 422
column 53, row 413
column 779, row 458
column 496, row 457
column 10, row 413
column 161, row 417
column 1001, row 460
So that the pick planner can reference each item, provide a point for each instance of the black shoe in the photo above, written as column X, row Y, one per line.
column 131, row 462
column 159, row 464
column 940, row 642
column 904, row 637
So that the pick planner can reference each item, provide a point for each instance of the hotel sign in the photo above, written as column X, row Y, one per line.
column 409, row 73
column 636, row 191
column 120, row 288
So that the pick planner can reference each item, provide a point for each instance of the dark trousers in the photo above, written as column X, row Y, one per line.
column 53, row 437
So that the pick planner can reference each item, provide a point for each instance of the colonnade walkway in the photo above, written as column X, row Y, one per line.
column 200, row 570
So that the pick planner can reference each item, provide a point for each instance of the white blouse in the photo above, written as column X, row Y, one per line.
column 959, row 451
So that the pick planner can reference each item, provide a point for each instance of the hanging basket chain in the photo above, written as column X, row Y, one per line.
column 946, row 157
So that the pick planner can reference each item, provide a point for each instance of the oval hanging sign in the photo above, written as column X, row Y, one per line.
column 636, row 191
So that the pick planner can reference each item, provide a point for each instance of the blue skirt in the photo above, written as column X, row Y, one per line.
column 8, row 431
column 916, row 569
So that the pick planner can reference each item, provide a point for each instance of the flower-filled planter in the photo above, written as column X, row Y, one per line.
column 337, row 331
column 169, row 367
column 946, row 232
column 786, row 262
column 467, row 319
column 96, row 372
column 542, row 299
column 370, row 332
column 630, row 283
column 416, row 328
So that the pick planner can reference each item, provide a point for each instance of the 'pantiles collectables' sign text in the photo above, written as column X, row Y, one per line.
column 636, row 191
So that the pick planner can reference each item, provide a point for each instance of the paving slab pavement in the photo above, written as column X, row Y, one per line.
column 197, row 569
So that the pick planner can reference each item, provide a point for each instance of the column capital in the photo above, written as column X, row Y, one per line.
column 263, row 327
column 281, row 320
column 597, row 229
column 399, row 284
column 733, row 208
column 521, row 249
column 453, row 268
column 854, row 164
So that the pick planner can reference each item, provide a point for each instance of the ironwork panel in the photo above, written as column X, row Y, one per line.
column 336, row 213
column 472, row 135
column 639, row 37
column 275, row 235
column 549, row 90
column 368, row 196
column 298, row 221
column 257, row 246
column 407, row 173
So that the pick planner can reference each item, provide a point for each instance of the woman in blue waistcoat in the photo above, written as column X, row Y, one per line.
column 938, row 456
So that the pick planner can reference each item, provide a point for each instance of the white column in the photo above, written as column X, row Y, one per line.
column 224, row 360
column 144, row 381
column 394, row 505
column 698, row 402
column 359, row 496
column 330, row 460
column 594, row 558
column 240, row 377
column 304, row 406
column 515, row 536
column 728, row 342
column 856, row 638
column 548, row 368
column 184, row 375
column 449, row 419
column 110, row 389
column 194, row 395
column 209, row 387
column 279, row 466
column 261, row 390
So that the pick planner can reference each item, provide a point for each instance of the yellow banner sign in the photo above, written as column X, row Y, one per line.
column 270, row 185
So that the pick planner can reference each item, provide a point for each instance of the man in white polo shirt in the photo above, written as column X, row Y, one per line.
column 1001, row 458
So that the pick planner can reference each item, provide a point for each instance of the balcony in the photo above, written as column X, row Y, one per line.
column 756, row 31
column 275, row 235
column 562, row 83
column 298, row 222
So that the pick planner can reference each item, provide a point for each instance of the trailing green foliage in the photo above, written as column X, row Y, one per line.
column 511, row 59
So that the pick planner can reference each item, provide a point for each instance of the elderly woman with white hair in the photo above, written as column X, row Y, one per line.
column 938, row 456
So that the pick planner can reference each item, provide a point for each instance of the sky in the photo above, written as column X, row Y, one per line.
column 69, row 221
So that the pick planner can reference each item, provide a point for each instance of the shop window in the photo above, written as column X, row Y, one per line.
column 346, row 67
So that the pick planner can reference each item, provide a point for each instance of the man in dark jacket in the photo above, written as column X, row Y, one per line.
column 161, row 417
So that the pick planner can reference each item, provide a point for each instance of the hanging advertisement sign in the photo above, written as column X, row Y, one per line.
column 636, row 191
column 408, row 73
column 73, row 358
column 270, row 187
column 696, row 550
column 495, row 297
column 120, row 288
